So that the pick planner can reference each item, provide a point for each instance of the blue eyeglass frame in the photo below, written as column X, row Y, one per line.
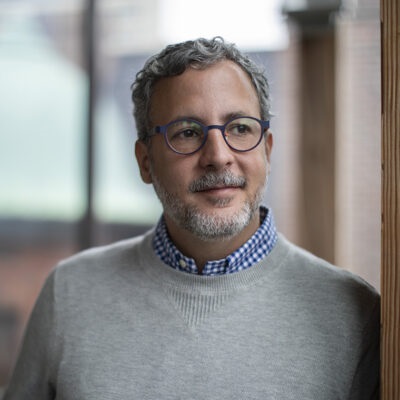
column 265, row 124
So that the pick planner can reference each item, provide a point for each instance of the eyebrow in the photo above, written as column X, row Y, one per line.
column 226, row 117
column 237, row 115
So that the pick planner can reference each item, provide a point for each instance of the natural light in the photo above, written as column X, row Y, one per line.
column 254, row 25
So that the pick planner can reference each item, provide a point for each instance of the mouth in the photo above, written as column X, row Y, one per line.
column 213, row 183
column 219, row 189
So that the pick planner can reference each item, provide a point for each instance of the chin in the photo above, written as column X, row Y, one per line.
column 221, row 224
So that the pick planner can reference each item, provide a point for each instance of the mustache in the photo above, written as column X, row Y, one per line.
column 214, row 180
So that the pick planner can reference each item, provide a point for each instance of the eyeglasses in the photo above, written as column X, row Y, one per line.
column 186, row 136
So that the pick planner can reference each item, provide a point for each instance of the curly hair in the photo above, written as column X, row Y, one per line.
column 199, row 54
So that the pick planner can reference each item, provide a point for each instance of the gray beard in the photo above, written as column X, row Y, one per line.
column 208, row 227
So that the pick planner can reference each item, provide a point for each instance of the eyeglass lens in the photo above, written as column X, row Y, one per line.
column 187, row 136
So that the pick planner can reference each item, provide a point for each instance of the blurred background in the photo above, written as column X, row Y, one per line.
column 68, row 177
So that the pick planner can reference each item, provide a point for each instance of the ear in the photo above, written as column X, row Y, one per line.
column 143, row 160
column 269, row 141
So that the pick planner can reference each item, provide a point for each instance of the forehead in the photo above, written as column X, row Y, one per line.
column 223, row 88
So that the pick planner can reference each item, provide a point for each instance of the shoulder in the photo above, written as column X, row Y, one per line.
column 324, row 284
column 117, row 250
column 303, row 263
column 97, row 264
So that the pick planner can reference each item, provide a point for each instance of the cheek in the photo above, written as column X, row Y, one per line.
column 257, row 168
column 173, row 176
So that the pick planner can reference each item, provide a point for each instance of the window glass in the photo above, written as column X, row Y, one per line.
column 42, row 113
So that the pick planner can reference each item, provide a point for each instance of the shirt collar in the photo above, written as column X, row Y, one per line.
column 250, row 253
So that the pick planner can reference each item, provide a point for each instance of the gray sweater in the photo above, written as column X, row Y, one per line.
column 116, row 323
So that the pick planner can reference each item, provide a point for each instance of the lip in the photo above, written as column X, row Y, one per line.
column 220, row 190
column 219, row 187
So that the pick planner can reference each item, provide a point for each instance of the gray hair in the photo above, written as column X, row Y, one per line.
column 199, row 54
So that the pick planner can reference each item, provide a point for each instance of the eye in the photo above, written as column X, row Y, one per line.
column 242, row 128
column 184, row 131
column 188, row 133
column 238, row 129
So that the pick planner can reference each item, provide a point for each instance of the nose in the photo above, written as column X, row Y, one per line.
column 215, row 153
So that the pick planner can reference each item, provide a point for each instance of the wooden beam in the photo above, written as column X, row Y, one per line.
column 390, row 274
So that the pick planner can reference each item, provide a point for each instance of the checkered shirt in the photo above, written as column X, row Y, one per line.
column 255, row 249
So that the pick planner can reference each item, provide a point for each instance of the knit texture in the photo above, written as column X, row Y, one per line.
column 117, row 323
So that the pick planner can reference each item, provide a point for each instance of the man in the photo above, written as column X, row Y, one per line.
column 213, row 303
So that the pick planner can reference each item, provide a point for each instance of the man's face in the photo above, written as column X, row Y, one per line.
column 214, row 193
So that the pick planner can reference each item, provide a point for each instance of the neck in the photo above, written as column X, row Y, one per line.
column 203, row 251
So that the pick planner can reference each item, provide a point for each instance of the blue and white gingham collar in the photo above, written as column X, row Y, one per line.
column 251, row 252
